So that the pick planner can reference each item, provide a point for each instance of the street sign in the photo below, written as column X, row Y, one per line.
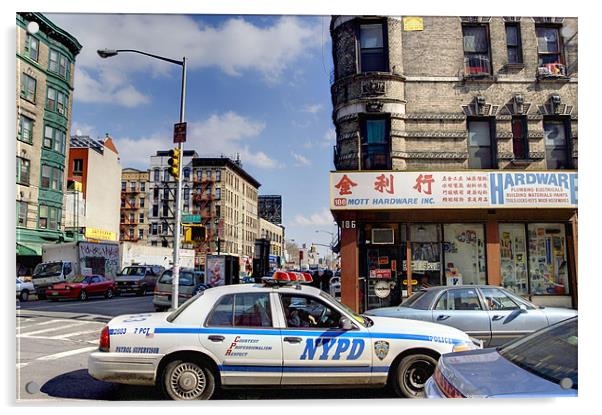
column 191, row 218
column 179, row 132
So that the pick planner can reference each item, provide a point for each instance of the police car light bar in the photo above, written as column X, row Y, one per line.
column 288, row 277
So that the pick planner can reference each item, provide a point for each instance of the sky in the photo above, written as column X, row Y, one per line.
column 257, row 86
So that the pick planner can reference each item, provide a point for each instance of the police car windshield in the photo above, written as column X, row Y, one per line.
column 360, row 319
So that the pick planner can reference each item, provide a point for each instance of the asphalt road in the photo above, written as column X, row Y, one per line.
column 127, row 304
column 55, row 339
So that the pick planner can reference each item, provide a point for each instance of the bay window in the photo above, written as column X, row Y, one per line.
column 372, row 52
column 375, row 143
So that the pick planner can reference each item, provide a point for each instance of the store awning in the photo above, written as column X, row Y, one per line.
column 31, row 250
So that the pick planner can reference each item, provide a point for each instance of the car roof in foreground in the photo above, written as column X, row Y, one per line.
column 445, row 287
column 243, row 288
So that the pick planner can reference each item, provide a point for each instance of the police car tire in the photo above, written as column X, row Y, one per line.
column 405, row 387
column 172, row 378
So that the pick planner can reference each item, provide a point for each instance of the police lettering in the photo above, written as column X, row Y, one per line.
column 332, row 348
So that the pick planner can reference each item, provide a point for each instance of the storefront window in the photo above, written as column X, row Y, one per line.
column 464, row 254
column 548, row 268
column 513, row 255
column 426, row 254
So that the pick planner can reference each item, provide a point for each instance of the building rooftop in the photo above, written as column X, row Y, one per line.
column 225, row 162
column 85, row 141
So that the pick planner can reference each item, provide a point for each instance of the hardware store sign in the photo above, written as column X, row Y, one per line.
column 454, row 189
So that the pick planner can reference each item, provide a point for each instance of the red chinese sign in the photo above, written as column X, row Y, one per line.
column 384, row 183
column 345, row 185
column 426, row 180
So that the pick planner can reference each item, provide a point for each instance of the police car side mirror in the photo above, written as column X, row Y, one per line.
column 345, row 323
column 523, row 308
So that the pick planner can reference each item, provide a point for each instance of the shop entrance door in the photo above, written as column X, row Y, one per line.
column 384, row 282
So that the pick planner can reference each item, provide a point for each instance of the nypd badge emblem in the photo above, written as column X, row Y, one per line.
column 381, row 348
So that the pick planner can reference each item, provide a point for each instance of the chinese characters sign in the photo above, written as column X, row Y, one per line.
column 454, row 189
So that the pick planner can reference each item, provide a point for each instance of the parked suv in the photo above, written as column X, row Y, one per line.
column 138, row 279
column 189, row 280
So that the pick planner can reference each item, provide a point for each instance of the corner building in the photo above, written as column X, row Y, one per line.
column 456, row 148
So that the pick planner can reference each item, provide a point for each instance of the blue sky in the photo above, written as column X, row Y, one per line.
column 257, row 85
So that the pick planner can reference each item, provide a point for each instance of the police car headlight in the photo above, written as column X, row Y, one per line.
column 464, row 346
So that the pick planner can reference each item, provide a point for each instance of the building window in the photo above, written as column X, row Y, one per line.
column 218, row 175
column 54, row 139
column 133, row 186
column 140, row 233
column 480, row 148
column 25, row 132
column 218, row 193
column 53, row 61
column 123, row 185
column 23, row 170
column 56, row 101
column 186, row 173
column 154, row 228
column 22, row 212
column 372, row 52
column 520, row 142
column 78, row 168
column 32, row 47
column 208, row 174
column 548, row 267
column 63, row 65
column 476, row 50
column 141, row 202
column 548, row 45
column 165, row 209
column 141, row 217
column 556, row 139
column 514, row 44
column 122, row 203
column 156, row 193
column 156, row 175
column 51, row 178
column 166, row 193
column 143, row 186
column 166, row 175
column 375, row 144
column 155, row 210
column 49, row 217
column 28, row 87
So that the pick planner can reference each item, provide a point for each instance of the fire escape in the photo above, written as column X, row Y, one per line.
column 127, row 224
column 202, row 198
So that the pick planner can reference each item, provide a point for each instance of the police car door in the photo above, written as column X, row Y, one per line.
column 239, row 332
column 315, row 350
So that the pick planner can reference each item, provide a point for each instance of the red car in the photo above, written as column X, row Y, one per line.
column 82, row 287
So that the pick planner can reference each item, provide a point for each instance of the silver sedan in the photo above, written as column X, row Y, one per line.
column 489, row 313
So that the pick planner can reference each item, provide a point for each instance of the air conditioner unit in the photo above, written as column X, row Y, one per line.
column 384, row 236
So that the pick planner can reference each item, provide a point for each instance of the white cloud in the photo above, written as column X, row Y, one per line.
column 78, row 128
column 313, row 108
column 236, row 46
column 220, row 134
column 329, row 138
column 300, row 160
column 321, row 218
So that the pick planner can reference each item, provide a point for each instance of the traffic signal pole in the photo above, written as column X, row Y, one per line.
column 175, row 284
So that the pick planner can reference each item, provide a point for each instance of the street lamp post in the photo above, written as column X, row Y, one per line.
column 107, row 53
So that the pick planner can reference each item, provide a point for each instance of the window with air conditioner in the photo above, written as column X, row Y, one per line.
column 383, row 236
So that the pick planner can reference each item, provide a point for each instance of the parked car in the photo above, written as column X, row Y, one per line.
column 541, row 365
column 489, row 313
column 189, row 280
column 138, row 279
column 335, row 287
column 81, row 287
column 24, row 288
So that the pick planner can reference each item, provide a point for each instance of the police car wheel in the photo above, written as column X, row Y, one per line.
column 412, row 373
column 188, row 380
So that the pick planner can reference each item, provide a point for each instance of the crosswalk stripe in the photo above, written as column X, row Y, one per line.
column 31, row 333
column 43, row 323
column 73, row 334
column 67, row 353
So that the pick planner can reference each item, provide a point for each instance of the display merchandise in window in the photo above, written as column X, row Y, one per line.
column 513, row 258
column 548, row 264
column 464, row 254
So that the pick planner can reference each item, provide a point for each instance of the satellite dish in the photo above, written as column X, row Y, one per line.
column 33, row 28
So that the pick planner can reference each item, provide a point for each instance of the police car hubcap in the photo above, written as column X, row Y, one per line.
column 188, row 381
column 417, row 375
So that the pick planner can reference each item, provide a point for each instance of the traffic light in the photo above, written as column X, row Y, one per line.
column 194, row 233
column 174, row 163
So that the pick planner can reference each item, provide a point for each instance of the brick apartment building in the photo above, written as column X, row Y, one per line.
column 457, row 148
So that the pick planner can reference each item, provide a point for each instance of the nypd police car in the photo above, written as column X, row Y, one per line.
column 278, row 333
